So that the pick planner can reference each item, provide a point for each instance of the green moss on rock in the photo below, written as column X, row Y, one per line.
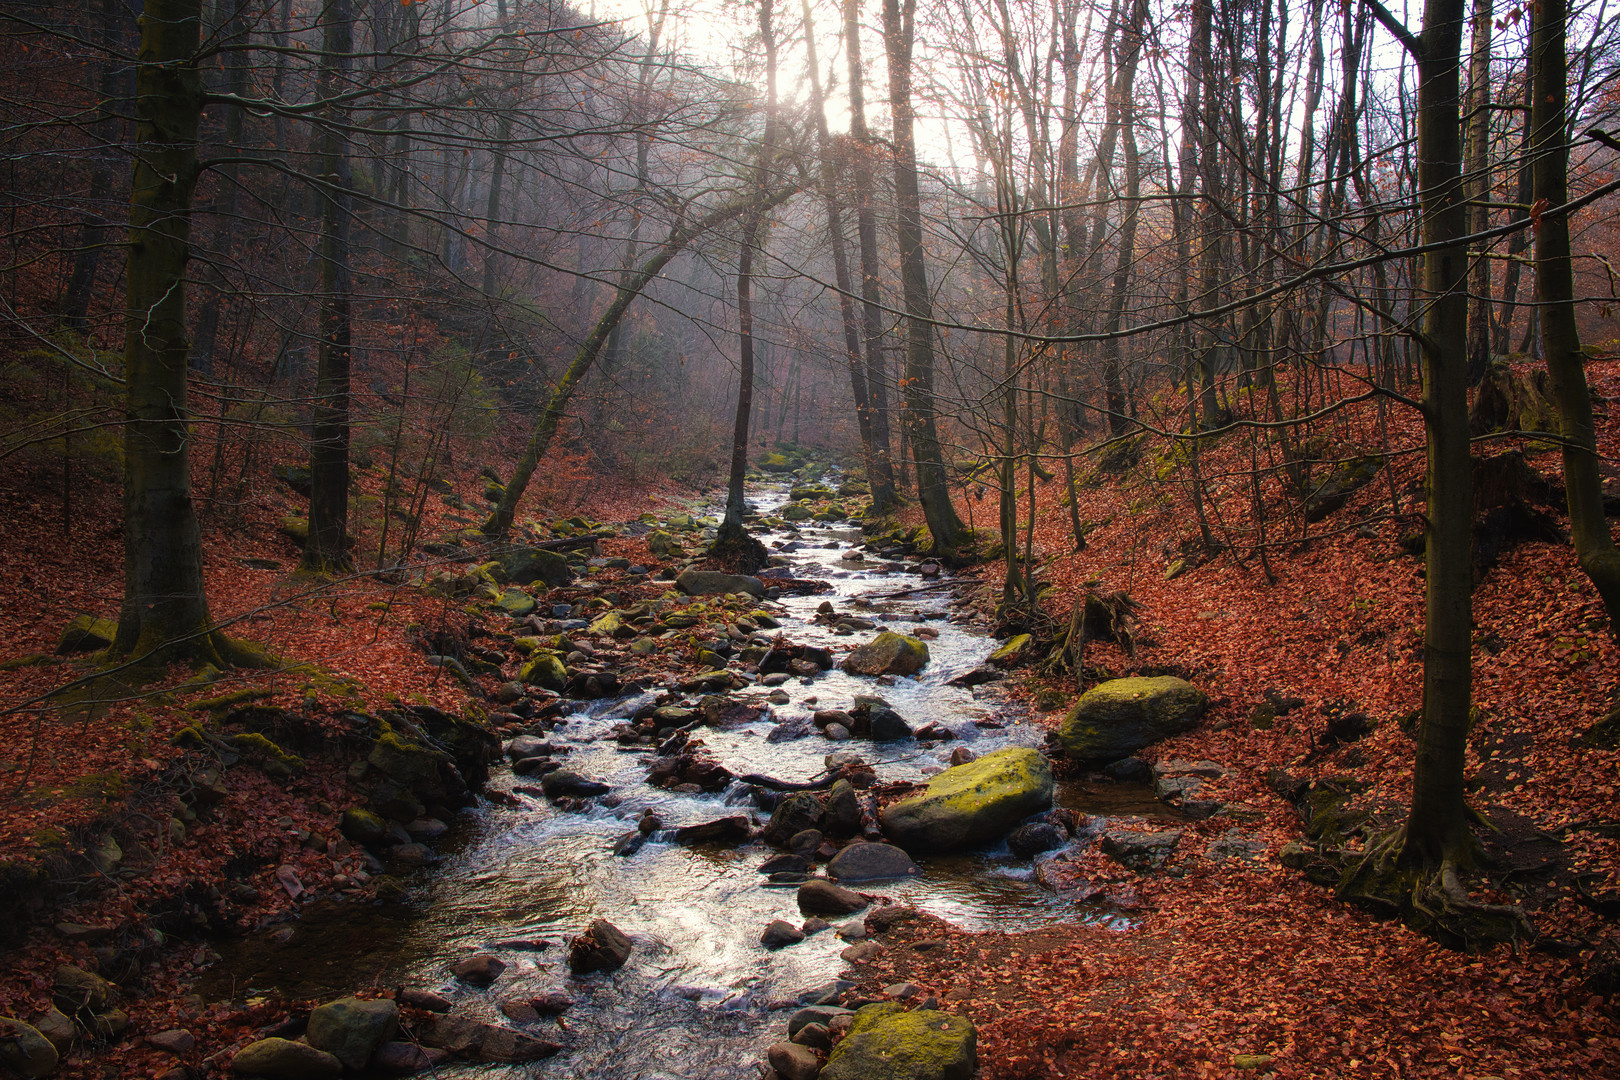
column 972, row 804
column 887, row 1043
column 1115, row 719
column 544, row 670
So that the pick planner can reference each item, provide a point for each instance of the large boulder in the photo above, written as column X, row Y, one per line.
column 544, row 670
column 872, row 862
column 351, row 1029
column 888, row 1043
column 526, row 565
column 793, row 815
column 972, row 804
column 713, row 582
column 24, row 1051
column 1115, row 719
column 818, row 897
column 888, row 654
column 85, row 633
column 283, row 1059
column 479, row 1041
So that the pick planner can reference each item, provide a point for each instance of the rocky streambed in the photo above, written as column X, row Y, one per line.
column 647, row 885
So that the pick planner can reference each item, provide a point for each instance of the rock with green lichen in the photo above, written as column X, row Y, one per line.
column 544, row 670
column 363, row 827
column 1115, row 719
column 972, row 804
column 1018, row 649
column 516, row 603
column 888, row 654
column 526, row 566
column 85, row 633
column 404, row 761
column 886, row 1042
column 283, row 1059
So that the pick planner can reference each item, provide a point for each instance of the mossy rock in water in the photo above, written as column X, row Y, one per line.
column 777, row 463
column 1115, row 719
column 544, row 670
column 811, row 491
column 888, row 654
column 85, row 633
column 797, row 512
column 972, row 804
column 886, row 1042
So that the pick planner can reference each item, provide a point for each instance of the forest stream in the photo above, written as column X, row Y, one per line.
column 694, row 999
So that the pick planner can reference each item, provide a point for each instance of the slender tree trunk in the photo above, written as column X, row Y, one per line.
column 933, row 488
column 840, row 255
column 1520, row 240
column 1437, row 830
column 164, row 616
column 877, row 379
column 1560, row 337
column 1478, row 168
column 94, row 228
column 1130, row 47
column 327, row 548
column 500, row 520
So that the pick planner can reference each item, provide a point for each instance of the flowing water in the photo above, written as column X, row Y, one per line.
column 692, row 1002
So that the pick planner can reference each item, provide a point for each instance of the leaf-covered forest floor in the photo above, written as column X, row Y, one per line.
column 1217, row 958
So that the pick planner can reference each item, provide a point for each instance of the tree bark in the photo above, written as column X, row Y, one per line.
column 877, row 379
column 327, row 548
column 933, row 488
column 1478, row 167
column 1437, row 829
column 1560, row 337
column 164, row 616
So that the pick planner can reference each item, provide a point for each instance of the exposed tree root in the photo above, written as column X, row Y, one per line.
column 738, row 552
column 1431, row 899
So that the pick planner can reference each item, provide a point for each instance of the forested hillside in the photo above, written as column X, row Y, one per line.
column 976, row 538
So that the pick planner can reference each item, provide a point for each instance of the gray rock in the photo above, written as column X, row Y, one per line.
column 480, row 970
column 25, row 1051
column 815, row 1014
column 561, row 782
column 872, row 862
column 363, row 827
column 818, row 897
column 1132, row 770
column 485, row 1042
column 404, row 1059
column 57, row 1028
column 423, row 999
column 527, row 746
column 526, row 566
column 1034, row 837
column 843, row 810
column 1119, row 717
column 792, row 1061
column 727, row 830
column 176, row 1041
column 712, row 582
column 283, row 1059
column 794, row 814
column 805, row 843
column 780, row 933
column 552, row 1002
column 815, row 1036
column 1140, row 849
column 836, row 732
column 351, row 1029
column 888, row 726
column 602, row 947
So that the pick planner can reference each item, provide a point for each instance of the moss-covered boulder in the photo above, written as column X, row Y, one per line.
column 659, row 542
column 797, row 512
column 516, row 603
column 363, row 827
column 886, row 1042
column 811, row 491
column 972, row 804
column 544, row 670
column 351, row 1029
column 399, row 759
column 85, row 633
column 295, row 529
column 527, row 565
column 714, row 583
column 283, row 1059
column 1019, row 648
column 888, row 654
column 1115, row 719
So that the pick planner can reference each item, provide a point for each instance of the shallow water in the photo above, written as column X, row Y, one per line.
column 691, row 1002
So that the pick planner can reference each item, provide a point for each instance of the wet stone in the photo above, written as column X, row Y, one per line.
column 480, row 970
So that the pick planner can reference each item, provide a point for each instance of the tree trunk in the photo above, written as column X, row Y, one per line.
column 877, row 379
column 164, row 616
column 327, row 548
column 1130, row 48
column 1478, row 167
column 94, row 229
column 933, row 488
column 1560, row 338
column 1437, row 830
column 840, row 254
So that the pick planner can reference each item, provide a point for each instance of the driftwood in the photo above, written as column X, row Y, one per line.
column 912, row 591
column 761, row 780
